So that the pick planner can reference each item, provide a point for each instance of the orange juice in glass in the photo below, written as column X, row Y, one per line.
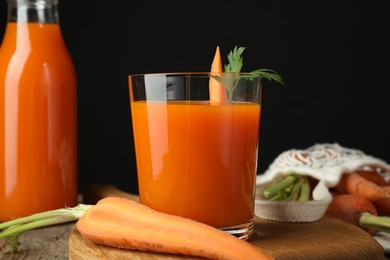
column 194, row 158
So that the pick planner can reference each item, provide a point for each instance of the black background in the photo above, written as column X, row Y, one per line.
column 333, row 56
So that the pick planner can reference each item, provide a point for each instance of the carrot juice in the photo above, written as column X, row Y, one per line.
column 38, row 169
column 198, row 160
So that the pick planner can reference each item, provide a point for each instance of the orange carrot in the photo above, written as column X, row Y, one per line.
column 382, row 206
column 373, row 176
column 350, row 207
column 122, row 223
column 218, row 93
column 353, row 183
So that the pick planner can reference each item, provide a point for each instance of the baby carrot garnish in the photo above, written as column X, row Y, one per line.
column 217, row 90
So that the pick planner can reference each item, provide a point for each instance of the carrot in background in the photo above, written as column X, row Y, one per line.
column 382, row 206
column 218, row 93
column 350, row 207
column 123, row 223
column 353, row 183
column 373, row 176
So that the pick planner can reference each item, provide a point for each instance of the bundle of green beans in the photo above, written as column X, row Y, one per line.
column 292, row 187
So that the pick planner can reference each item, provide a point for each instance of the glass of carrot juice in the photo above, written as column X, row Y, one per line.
column 197, row 151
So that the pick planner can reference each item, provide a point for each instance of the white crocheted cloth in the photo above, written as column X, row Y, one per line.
column 325, row 162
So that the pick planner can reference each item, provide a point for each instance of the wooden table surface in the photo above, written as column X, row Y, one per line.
column 53, row 242
column 44, row 243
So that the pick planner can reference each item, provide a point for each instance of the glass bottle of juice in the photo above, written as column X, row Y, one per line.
column 38, row 113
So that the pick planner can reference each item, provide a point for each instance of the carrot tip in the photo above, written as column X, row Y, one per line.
column 217, row 91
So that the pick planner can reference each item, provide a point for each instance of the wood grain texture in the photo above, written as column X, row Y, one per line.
column 43, row 243
column 328, row 238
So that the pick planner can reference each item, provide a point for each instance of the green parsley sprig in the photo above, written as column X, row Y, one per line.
column 230, row 80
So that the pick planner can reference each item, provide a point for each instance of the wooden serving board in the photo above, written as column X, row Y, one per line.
column 328, row 238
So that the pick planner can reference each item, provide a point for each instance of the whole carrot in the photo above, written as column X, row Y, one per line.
column 123, row 223
column 350, row 207
column 353, row 183
column 373, row 176
column 382, row 206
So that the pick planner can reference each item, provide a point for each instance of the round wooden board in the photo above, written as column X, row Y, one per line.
column 327, row 238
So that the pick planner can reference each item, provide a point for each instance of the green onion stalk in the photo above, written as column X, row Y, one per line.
column 12, row 229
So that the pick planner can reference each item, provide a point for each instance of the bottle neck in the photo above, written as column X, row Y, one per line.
column 33, row 11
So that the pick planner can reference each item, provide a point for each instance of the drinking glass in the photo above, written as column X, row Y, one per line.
column 197, row 158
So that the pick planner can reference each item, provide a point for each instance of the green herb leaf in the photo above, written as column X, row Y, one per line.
column 235, row 60
column 270, row 75
column 235, row 65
